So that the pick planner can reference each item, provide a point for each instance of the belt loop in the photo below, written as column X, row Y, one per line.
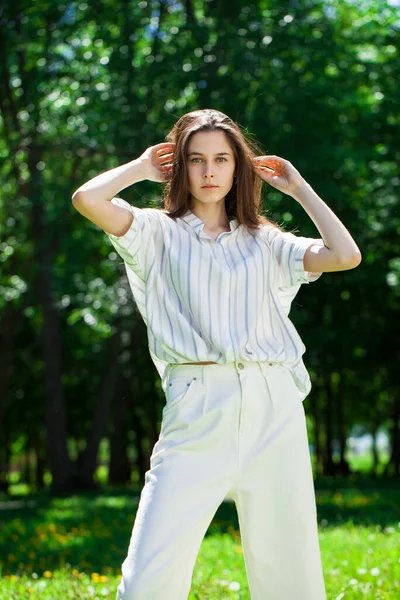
column 202, row 374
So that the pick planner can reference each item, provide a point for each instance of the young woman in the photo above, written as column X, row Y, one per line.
column 214, row 280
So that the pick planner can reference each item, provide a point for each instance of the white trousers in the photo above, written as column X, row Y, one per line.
column 236, row 430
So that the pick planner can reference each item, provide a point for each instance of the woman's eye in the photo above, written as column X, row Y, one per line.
column 220, row 157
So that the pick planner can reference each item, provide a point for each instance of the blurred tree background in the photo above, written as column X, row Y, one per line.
column 87, row 86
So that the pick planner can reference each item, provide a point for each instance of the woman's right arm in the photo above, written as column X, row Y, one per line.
column 92, row 199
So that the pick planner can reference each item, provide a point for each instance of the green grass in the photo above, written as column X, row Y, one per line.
column 73, row 548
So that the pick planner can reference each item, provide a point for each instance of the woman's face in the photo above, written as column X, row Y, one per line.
column 210, row 160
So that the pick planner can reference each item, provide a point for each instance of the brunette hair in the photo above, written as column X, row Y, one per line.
column 244, row 198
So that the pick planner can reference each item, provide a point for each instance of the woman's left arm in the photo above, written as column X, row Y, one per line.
column 340, row 251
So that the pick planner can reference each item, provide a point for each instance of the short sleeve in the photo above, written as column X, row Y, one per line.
column 288, row 252
column 136, row 246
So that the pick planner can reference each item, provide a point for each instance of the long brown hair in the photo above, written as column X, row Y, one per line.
column 243, row 201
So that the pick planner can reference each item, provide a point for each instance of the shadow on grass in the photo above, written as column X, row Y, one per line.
column 359, row 499
column 91, row 532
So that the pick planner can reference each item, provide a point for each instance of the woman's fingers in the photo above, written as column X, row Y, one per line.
column 270, row 159
column 162, row 160
column 265, row 169
column 165, row 148
column 163, row 145
column 167, row 167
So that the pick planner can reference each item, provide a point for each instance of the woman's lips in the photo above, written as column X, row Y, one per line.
column 209, row 187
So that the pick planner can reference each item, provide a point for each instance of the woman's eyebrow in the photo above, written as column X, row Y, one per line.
column 216, row 154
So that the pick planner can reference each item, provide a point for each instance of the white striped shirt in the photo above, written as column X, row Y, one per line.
column 215, row 300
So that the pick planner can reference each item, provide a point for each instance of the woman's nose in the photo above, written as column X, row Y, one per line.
column 208, row 170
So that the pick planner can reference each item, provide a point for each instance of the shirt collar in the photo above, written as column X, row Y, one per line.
column 197, row 224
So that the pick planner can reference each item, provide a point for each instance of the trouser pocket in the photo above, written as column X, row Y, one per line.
column 281, row 385
column 179, row 389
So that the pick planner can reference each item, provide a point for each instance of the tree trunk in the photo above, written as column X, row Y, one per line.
column 343, row 468
column 101, row 411
column 39, row 463
column 143, row 461
column 393, row 466
column 119, row 468
column 55, row 417
column 328, row 464
column 317, row 433
column 10, row 321
column 374, row 449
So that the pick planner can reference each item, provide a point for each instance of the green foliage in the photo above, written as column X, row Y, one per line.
column 88, row 86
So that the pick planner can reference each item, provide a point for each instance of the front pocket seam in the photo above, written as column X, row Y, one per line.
column 174, row 403
column 292, row 380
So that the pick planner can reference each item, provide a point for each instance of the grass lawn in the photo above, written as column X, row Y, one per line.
column 73, row 548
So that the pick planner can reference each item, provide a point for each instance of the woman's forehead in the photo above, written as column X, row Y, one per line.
column 212, row 142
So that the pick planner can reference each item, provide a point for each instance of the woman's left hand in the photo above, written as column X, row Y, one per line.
column 278, row 172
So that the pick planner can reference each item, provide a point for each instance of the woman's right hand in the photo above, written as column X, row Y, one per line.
column 153, row 160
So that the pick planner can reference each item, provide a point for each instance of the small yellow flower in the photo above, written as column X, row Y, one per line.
column 47, row 574
column 95, row 576
column 103, row 578
column 75, row 572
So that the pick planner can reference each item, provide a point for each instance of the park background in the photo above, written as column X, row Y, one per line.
column 88, row 86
